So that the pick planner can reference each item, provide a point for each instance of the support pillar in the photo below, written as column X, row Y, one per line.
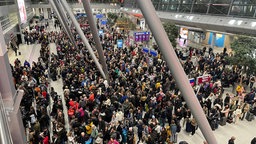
column 84, row 39
column 46, row 15
column 62, row 19
column 176, row 69
column 10, row 98
column 87, row 8
column 37, row 12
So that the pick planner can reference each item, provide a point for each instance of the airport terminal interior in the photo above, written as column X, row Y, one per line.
column 127, row 71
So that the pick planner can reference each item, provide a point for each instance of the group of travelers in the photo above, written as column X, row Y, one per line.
column 139, row 104
column 32, row 78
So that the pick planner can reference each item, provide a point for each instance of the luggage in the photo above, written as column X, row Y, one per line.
column 230, row 120
column 249, row 116
column 188, row 127
column 223, row 121
column 214, row 124
column 19, row 53
column 53, row 77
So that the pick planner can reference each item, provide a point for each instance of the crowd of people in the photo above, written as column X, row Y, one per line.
column 32, row 78
column 140, row 103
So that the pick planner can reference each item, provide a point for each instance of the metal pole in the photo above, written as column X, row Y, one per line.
column 176, row 69
column 64, row 13
column 87, row 8
column 208, row 7
column 180, row 3
column 58, row 15
column 81, row 33
column 61, row 14
column 254, row 15
column 192, row 6
column 230, row 7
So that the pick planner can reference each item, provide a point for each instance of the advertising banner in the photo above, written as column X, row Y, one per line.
column 219, row 40
column 203, row 79
column 22, row 11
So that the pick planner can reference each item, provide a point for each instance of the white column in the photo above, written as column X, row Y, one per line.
column 37, row 13
column 46, row 13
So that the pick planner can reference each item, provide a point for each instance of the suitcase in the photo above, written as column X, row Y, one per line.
column 249, row 116
column 188, row 127
column 223, row 121
column 230, row 120
column 214, row 124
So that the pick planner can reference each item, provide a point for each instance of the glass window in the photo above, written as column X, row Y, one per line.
column 172, row 7
column 243, row 10
column 200, row 8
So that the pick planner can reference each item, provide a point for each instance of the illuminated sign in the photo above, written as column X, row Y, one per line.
column 22, row 11
column 141, row 36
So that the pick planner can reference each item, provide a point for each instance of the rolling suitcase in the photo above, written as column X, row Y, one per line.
column 249, row 116
column 188, row 127
column 230, row 120
column 223, row 121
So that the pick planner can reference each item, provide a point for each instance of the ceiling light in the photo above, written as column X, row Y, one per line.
column 191, row 17
column 253, row 24
column 239, row 22
column 231, row 22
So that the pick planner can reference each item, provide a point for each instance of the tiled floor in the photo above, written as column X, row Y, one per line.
column 28, row 52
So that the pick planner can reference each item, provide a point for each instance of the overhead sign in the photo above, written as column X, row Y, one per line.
column 22, row 11
column 99, row 16
column 154, row 53
column 203, row 79
column 145, row 49
column 119, row 43
column 141, row 36
column 104, row 22
column 78, row 15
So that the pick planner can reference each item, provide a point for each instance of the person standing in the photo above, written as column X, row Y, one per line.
column 237, row 113
column 231, row 140
column 253, row 140
column 193, row 125
column 245, row 108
